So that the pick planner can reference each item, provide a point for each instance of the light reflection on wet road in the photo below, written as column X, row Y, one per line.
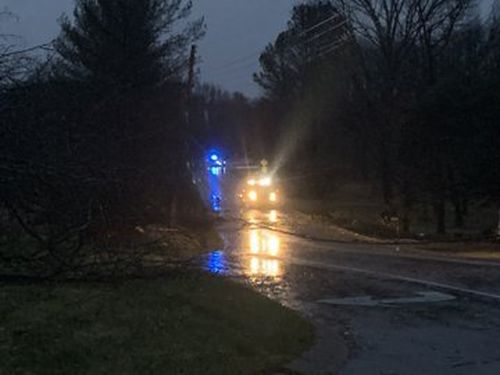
column 257, row 253
column 278, row 266
column 261, row 216
column 264, row 247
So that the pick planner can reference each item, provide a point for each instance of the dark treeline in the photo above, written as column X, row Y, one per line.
column 222, row 120
column 93, row 139
column 404, row 94
column 99, row 132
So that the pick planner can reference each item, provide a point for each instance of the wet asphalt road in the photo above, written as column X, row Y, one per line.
column 366, row 303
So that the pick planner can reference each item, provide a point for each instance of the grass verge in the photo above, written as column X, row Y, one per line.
column 192, row 323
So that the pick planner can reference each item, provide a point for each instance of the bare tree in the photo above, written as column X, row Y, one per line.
column 15, row 62
column 400, row 43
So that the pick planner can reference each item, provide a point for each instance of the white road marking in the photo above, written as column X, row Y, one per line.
column 329, row 266
column 421, row 297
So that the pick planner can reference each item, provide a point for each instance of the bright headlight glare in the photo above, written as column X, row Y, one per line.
column 251, row 182
column 266, row 181
column 252, row 195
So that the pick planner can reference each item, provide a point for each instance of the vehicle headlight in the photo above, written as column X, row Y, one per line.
column 273, row 197
column 252, row 195
column 251, row 182
column 266, row 181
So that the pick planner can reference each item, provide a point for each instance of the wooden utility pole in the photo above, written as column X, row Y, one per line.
column 190, row 84
column 192, row 64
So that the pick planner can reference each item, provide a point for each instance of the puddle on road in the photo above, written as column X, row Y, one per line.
column 257, row 257
column 263, row 246
column 257, row 254
column 262, row 242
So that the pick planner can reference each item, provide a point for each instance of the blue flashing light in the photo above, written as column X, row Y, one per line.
column 217, row 262
column 214, row 157
column 215, row 171
column 216, row 203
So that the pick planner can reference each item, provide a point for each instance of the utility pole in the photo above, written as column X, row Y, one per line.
column 192, row 64
column 190, row 85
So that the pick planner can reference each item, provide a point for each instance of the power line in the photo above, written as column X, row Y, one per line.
column 343, row 38
column 325, row 50
column 240, row 76
column 329, row 49
column 237, row 69
column 317, row 36
column 319, row 24
column 303, row 32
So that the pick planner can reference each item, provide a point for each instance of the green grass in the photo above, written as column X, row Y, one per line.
column 188, row 324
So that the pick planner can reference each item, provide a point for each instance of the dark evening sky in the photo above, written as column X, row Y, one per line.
column 236, row 31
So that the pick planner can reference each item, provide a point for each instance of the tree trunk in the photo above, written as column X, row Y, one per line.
column 440, row 213
column 386, row 181
column 498, row 227
column 459, row 214
column 407, row 205
column 406, row 223
column 465, row 206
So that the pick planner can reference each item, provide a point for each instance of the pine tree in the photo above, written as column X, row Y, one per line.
column 129, row 57
column 127, row 43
